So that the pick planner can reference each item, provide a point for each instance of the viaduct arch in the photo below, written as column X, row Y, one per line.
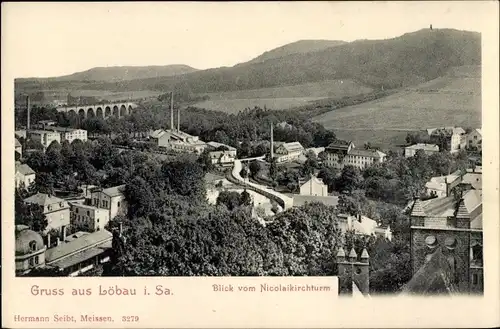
column 104, row 110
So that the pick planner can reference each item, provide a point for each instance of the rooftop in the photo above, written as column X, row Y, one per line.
column 157, row 133
column 474, row 179
column 423, row 146
column 114, row 191
column 82, row 256
column 24, row 169
column 61, row 129
column 43, row 199
column 339, row 145
column 367, row 153
column 79, row 244
column 18, row 144
column 294, row 146
column 217, row 145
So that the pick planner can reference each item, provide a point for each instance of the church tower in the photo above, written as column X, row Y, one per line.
column 353, row 272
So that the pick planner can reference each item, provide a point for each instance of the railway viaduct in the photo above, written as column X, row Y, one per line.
column 104, row 110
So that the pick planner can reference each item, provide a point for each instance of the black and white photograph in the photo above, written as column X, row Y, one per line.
column 323, row 145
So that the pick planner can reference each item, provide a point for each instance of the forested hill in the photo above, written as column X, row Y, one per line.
column 402, row 61
column 298, row 47
column 119, row 73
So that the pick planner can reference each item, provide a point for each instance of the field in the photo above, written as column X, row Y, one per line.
column 279, row 98
column 454, row 99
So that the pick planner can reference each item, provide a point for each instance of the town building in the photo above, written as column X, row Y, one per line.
column 44, row 137
column 312, row 150
column 30, row 249
column 336, row 152
column 221, row 153
column 363, row 225
column 111, row 199
column 56, row 211
column 429, row 149
column 288, row 152
column 68, row 134
column 446, row 245
column 177, row 140
column 456, row 138
column 88, row 218
column 363, row 158
column 441, row 186
column 475, row 139
column 18, row 147
column 24, row 176
column 71, row 256
column 314, row 186
column 20, row 133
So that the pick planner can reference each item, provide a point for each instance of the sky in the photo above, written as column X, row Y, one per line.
column 53, row 39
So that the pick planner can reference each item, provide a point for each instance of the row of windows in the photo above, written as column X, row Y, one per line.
column 50, row 208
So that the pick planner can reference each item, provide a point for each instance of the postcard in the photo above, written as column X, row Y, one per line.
column 250, row 164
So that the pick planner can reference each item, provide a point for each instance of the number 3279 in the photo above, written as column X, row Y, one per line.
column 130, row 318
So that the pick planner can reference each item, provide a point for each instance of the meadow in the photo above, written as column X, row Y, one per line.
column 452, row 100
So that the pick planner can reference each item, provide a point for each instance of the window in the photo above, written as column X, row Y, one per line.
column 32, row 262
column 36, row 260
column 32, row 245
column 77, row 210
column 118, row 203
column 475, row 278
column 88, row 213
column 98, row 220
column 431, row 241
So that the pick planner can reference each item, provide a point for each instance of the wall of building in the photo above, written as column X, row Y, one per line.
column 58, row 218
column 314, row 188
column 24, row 180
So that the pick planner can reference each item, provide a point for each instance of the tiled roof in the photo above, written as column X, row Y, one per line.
column 24, row 169
column 43, row 199
column 339, row 145
column 367, row 153
column 474, row 179
column 217, row 145
column 472, row 199
column 425, row 147
column 79, row 244
column 157, row 133
column 114, row 191
column 294, row 146
column 418, row 209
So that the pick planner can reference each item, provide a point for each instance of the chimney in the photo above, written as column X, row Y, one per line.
column 179, row 118
column 28, row 109
column 272, row 142
column 172, row 110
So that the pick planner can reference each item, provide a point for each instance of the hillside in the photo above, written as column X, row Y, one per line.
column 298, row 47
column 120, row 73
column 403, row 61
column 453, row 99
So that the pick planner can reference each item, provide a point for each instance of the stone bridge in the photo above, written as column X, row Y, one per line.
column 104, row 110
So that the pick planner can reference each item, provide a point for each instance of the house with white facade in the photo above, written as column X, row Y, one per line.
column 288, row 152
column 456, row 138
column 475, row 139
column 56, row 210
column 176, row 140
column 314, row 187
column 44, row 137
column 429, row 149
column 111, row 199
column 25, row 176
column 221, row 153
column 363, row 225
column 363, row 158
column 88, row 218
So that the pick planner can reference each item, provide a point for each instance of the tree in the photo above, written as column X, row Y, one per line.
column 244, row 172
column 245, row 199
column 230, row 199
column 28, row 214
column 328, row 175
column 255, row 168
column 44, row 183
column 349, row 180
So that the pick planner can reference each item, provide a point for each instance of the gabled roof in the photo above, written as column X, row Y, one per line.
column 474, row 179
column 423, row 146
column 18, row 144
column 157, row 133
column 114, row 191
column 339, row 145
column 315, row 180
column 291, row 147
column 78, row 244
column 24, row 169
column 217, row 145
column 367, row 153
column 43, row 199
column 434, row 277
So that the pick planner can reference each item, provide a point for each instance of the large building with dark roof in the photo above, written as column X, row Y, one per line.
column 342, row 153
column 446, row 245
